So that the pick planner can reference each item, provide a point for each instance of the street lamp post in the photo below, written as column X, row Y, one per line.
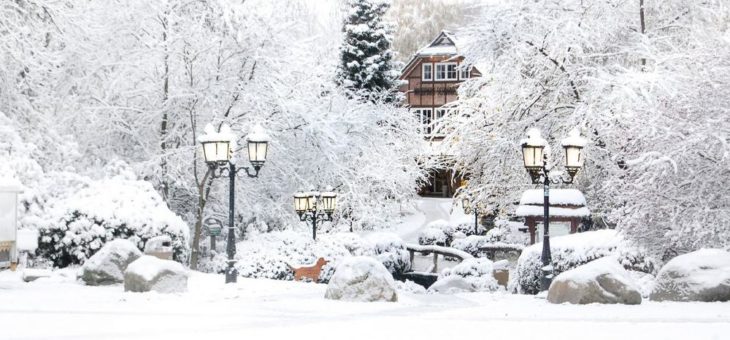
column 218, row 152
column 536, row 163
column 472, row 208
column 314, row 206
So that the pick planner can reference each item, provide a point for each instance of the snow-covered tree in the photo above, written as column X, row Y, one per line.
column 366, row 59
column 646, row 82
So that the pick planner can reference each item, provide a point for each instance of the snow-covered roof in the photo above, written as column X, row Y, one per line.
column 536, row 210
column 444, row 44
column 557, row 197
column 10, row 184
column 531, row 203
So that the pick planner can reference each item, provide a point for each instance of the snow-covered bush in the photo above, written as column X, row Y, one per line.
column 449, row 231
column 571, row 251
column 477, row 272
column 432, row 236
column 409, row 286
column 391, row 251
column 270, row 255
column 82, row 223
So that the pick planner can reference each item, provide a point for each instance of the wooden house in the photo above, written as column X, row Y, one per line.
column 430, row 82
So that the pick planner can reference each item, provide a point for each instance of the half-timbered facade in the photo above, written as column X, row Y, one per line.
column 430, row 82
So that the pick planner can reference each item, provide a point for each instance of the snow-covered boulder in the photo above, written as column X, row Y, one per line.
column 361, row 278
column 703, row 275
column 149, row 273
column 108, row 264
column 600, row 281
column 450, row 285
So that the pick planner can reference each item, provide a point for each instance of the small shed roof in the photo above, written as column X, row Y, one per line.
column 10, row 184
column 557, row 197
column 563, row 203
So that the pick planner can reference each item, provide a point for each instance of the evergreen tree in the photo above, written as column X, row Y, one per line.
column 366, row 66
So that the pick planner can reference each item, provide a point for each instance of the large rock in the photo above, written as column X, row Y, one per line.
column 361, row 278
column 450, row 285
column 600, row 281
column 703, row 275
column 149, row 273
column 108, row 264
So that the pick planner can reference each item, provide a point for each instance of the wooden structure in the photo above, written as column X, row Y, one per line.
column 567, row 209
column 431, row 79
column 9, row 190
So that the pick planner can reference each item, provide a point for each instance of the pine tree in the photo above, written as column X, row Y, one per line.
column 366, row 66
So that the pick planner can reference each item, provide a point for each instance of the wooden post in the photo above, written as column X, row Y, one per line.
column 412, row 254
column 435, row 262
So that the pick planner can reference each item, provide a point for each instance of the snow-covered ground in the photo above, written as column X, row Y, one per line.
column 61, row 308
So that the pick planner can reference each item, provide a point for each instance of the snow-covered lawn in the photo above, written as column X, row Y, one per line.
column 61, row 308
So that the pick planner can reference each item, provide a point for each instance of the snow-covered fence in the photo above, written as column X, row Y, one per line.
column 436, row 251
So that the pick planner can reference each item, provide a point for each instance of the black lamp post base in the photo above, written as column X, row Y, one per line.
column 231, row 274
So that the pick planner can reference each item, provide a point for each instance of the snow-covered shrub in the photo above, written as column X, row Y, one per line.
column 409, row 286
column 270, row 255
column 431, row 236
column 507, row 232
column 571, row 251
column 477, row 272
column 82, row 223
column 391, row 251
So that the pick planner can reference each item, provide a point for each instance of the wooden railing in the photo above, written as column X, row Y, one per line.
column 436, row 251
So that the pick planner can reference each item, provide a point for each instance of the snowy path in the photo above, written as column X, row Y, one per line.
column 429, row 210
column 264, row 309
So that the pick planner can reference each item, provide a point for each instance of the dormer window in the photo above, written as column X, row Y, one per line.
column 427, row 72
column 464, row 72
column 446, row 71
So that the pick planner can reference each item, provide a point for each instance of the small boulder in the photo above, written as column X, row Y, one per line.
column 703, row 275
column 361, row 278
column 149, row 273
column 600, row 281
column 107, row 266
column 451, row 284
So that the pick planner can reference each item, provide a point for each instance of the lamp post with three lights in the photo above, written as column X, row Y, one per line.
column 315, row 206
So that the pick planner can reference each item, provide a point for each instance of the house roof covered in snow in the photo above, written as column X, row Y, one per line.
column 563, row 203
column 446, row 44
column 10, row 184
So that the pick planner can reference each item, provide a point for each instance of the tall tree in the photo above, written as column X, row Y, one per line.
column 366, row 65
column 647, row 83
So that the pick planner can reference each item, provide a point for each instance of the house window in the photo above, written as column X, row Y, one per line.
column 464, row 72
column 440, row 113
column 427, row 72
column 426, row 118
column 446, row 71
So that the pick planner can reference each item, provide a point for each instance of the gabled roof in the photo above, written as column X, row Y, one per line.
column 445, row 44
